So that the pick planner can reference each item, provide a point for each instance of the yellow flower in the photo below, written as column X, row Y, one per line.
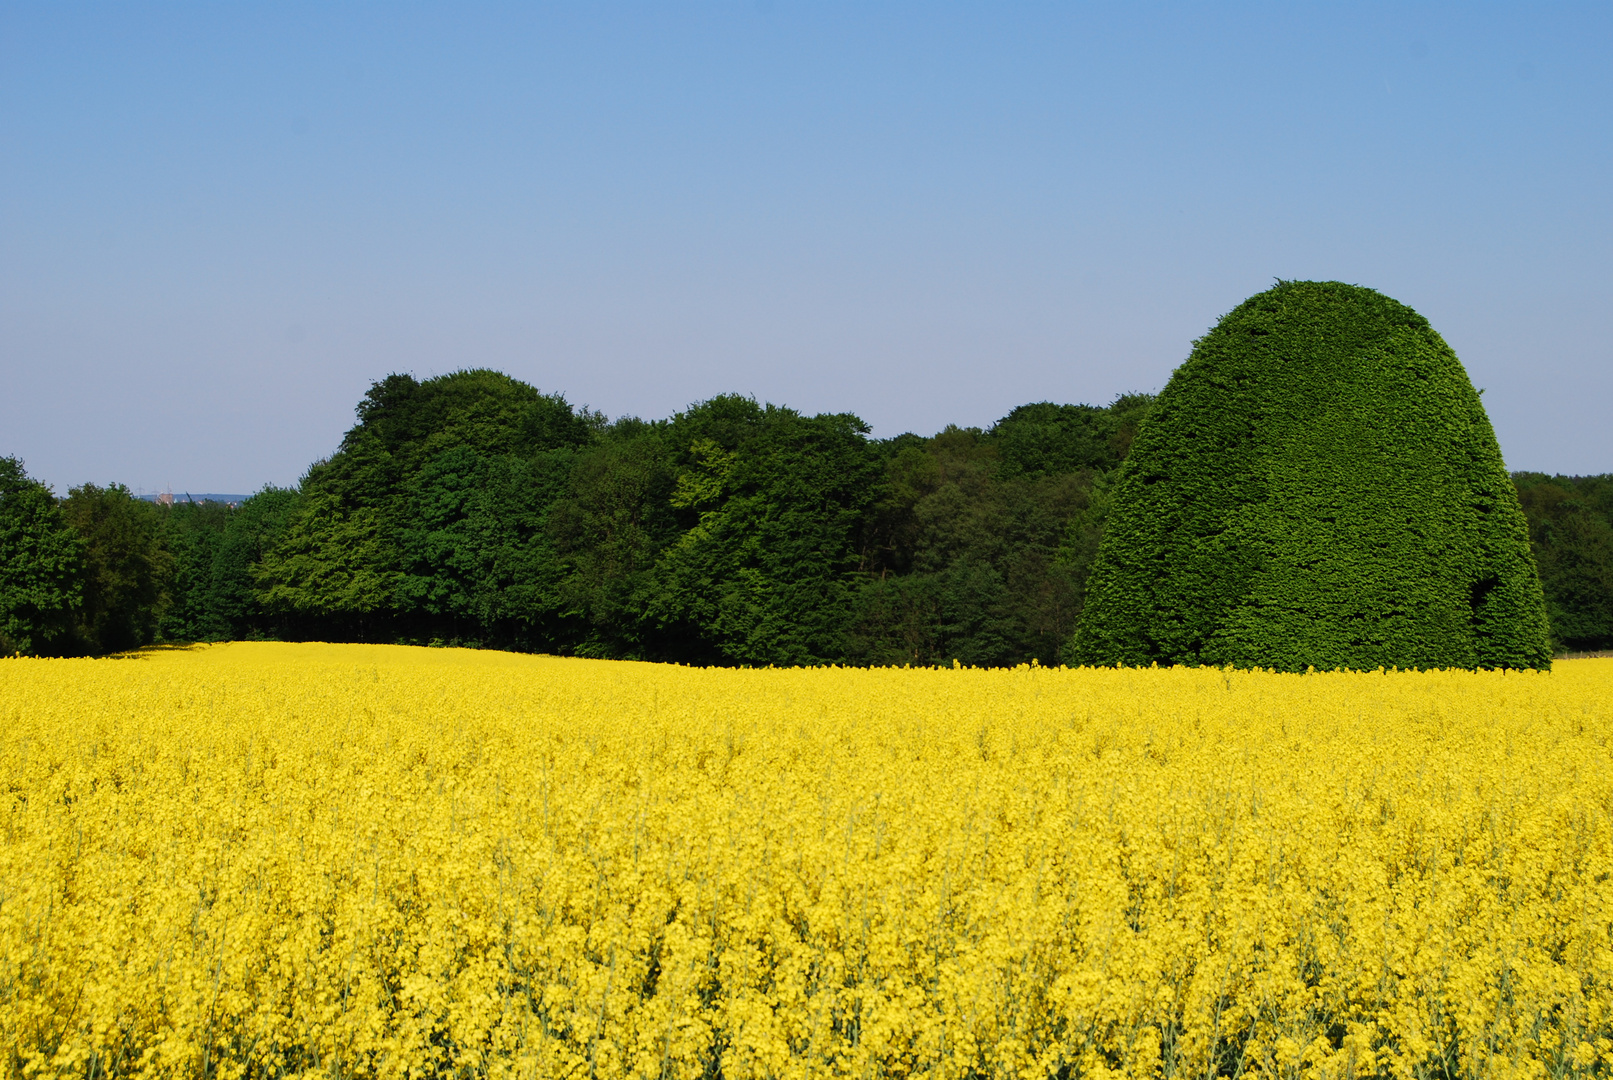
column 273, row 859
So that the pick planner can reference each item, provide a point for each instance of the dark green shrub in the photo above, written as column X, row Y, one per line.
column 1318, row 485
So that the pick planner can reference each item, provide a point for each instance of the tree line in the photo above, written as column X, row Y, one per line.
column 472, row 509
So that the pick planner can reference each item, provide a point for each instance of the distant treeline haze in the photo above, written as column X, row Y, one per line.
column 472, row 509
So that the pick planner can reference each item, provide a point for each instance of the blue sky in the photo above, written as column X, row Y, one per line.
column 219, row 223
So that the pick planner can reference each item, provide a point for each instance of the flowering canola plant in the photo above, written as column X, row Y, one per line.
column 258, row 860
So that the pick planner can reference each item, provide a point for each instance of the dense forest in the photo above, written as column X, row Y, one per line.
column 471, row 509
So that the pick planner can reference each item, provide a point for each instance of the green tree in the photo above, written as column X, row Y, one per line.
column 333, row 567
column 127, row 567
column 41, row 567
column 772, row 503
column 487, row 411
column 478, row 562
column 428, row 522
column 1044, row 439
column 963, row 553
column 1318, row 485
column 192, row 533
column 1571, row 530
column 251, row 532
column 331, row 562
column 979, row 543
column 609, row 530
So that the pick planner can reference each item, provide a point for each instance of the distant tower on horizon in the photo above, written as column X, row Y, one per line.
column 166, row 497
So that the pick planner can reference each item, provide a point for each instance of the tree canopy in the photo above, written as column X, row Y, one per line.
column 1317, row 485
column 1571, row 528
column 474, row 509
column 41, row 566
column 127, row 567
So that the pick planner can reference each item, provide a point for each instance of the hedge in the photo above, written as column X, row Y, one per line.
column 1317, row 486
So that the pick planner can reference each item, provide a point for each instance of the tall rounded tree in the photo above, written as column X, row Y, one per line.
column 1317, row 486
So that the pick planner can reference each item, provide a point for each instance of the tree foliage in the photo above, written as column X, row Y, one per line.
column 215, row 549
column 127, row 567
column 1571, row 529
column 1318, row 485
column 428, row 521
column 979, row 542
column 193, row 534
column 473, row 509
column 771, row 502
column 41, row 567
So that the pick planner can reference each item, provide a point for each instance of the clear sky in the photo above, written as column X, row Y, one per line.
column 219, row 223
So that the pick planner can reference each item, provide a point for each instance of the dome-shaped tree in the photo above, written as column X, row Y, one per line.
column 1318, row 485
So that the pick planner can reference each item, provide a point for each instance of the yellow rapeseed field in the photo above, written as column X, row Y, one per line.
column 270, row 860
